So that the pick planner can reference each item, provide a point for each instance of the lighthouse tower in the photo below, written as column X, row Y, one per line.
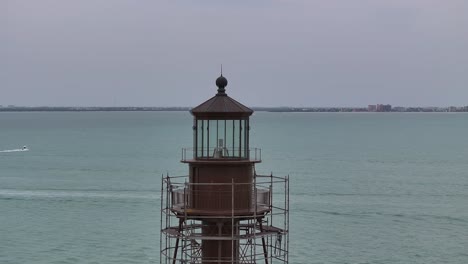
column 223, row 211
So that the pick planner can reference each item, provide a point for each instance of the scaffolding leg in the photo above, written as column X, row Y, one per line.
column 265, row 253
column 181, row 221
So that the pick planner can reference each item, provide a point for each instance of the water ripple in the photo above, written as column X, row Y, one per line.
column 395, row 215
column 10, row 194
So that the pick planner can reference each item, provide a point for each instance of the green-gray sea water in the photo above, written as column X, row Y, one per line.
column 365, row 188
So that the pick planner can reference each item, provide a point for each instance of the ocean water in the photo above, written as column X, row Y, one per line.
column 365, row 188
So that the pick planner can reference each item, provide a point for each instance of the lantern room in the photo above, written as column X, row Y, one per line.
column 221, row 127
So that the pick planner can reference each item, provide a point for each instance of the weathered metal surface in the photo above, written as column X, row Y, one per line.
column 227, row 196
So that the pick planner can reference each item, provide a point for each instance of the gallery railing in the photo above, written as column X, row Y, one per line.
column 217, row 197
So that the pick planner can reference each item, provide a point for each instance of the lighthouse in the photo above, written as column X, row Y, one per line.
column 223, row 211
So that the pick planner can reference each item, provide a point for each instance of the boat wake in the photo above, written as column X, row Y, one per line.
column 15, row 150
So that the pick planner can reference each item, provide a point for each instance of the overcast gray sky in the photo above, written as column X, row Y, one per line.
column 274, row 52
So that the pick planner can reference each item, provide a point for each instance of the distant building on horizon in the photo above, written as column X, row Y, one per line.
column 379, row 108
column 399, row 109
column 458, row 109
column 384, row 108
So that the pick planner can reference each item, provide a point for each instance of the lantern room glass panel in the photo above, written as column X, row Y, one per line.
column 199, row 138
column 221, row 139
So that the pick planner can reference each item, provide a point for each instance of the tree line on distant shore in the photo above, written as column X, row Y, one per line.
column 267, row 109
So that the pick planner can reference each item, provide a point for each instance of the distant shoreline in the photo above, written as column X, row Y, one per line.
column 266, row 109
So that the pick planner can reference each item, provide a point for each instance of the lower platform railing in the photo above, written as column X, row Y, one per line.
column 256, row 227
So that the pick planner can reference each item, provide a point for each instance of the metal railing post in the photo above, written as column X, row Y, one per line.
column 232, row 221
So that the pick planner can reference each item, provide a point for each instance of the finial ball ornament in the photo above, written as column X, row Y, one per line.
column 221, row 82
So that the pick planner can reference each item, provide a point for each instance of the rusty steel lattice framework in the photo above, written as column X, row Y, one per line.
column 256, row 235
